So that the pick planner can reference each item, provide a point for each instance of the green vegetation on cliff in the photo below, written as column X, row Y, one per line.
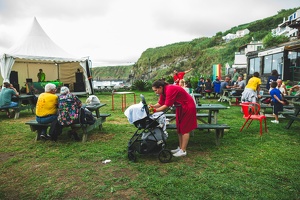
column 200, row 53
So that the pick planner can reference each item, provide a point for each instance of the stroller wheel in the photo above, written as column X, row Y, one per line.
column 165, row 156
column 131, row 157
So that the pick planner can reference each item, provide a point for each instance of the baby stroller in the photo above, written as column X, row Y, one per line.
column 149, row 138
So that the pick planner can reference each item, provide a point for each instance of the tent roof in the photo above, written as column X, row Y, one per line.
column 38, row 46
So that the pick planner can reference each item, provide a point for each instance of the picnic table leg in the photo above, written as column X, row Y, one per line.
column 209, row 116
column 134, row 98
column 124, row 103
column 38, row 134
column 84, row 135
column 218, row 136
column 290, row 123
column 112, row 101
column 292, row 120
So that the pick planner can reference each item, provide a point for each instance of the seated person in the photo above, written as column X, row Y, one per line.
column 281, row 87
column 188, row 87
column 225, row 85
column 208, row 86
column 217, row 87
column 295, row 90
column 200, row 85
column 46, row 108
column 239, row 84
column 5, row 97
column 68, row 111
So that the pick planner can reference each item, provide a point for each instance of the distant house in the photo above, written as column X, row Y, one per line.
column 242, row 33
column 238, row 34
column 285, row 27
column 229, row 36
column 240, row 58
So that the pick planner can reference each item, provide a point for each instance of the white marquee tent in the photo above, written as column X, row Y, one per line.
column 37, row 51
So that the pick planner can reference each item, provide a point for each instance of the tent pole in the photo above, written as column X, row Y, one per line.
column 58, row 71
column 27, row 71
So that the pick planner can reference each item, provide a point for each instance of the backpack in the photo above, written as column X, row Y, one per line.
column 92, row 100
column 86, row 117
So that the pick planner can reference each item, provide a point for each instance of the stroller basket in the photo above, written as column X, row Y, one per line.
column 145, row 123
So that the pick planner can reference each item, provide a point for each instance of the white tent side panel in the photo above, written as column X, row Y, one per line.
column 67, row 73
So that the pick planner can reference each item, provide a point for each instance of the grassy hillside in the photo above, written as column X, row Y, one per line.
column 200, row 53
column 111, row 73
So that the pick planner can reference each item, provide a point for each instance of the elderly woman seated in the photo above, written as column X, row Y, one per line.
column 68, row 110
column 46, row 108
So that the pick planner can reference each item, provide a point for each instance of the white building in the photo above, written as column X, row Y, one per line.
column 238, row 34
column 240, row 58
column 284, row 29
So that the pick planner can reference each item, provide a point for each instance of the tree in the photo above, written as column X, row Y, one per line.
column 270, row 40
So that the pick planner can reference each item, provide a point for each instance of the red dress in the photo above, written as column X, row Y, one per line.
column 178, row 76
column 186, row 119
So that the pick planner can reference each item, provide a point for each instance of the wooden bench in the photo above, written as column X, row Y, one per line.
column 263, row 107
column 218, row 127
column 286, row 112
column 15, row 109
column 199, row 116
column 35, row 126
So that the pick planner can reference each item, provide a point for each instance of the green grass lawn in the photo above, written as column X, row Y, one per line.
column 243, row 166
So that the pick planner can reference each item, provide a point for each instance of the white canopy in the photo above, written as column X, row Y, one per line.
column 36, row 50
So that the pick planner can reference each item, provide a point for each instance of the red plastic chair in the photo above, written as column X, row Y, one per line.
column 252, row 112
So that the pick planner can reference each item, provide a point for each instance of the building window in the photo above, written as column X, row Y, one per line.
column 254, row 65
column 272, row 62
column 267, row 64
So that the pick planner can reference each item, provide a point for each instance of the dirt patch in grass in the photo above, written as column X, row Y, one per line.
column 5, row 156
column 101, row 136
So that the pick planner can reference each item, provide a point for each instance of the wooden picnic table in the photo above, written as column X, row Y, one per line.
column 213, row 110
column 100, row 119
column 123, row 99
column 295, row 116
column 227, row 95
column 265, row 106
column 25, row 101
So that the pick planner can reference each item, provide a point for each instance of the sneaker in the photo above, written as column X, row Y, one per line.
column 219, row 100
column 45, row 136
column 175, row 150
column 180, row 153
column 275, row 121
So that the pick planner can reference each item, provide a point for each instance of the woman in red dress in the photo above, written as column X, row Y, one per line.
column 186, row 120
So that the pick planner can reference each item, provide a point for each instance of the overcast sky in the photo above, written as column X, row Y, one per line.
column 116, row 32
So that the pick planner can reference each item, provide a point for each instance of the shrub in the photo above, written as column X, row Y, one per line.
column 141, row 85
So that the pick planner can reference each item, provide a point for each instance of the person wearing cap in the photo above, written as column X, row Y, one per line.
column 46, row 108
column 41, row 76
column 68, row 110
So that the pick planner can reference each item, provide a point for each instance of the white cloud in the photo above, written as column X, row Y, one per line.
column 118, row 31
